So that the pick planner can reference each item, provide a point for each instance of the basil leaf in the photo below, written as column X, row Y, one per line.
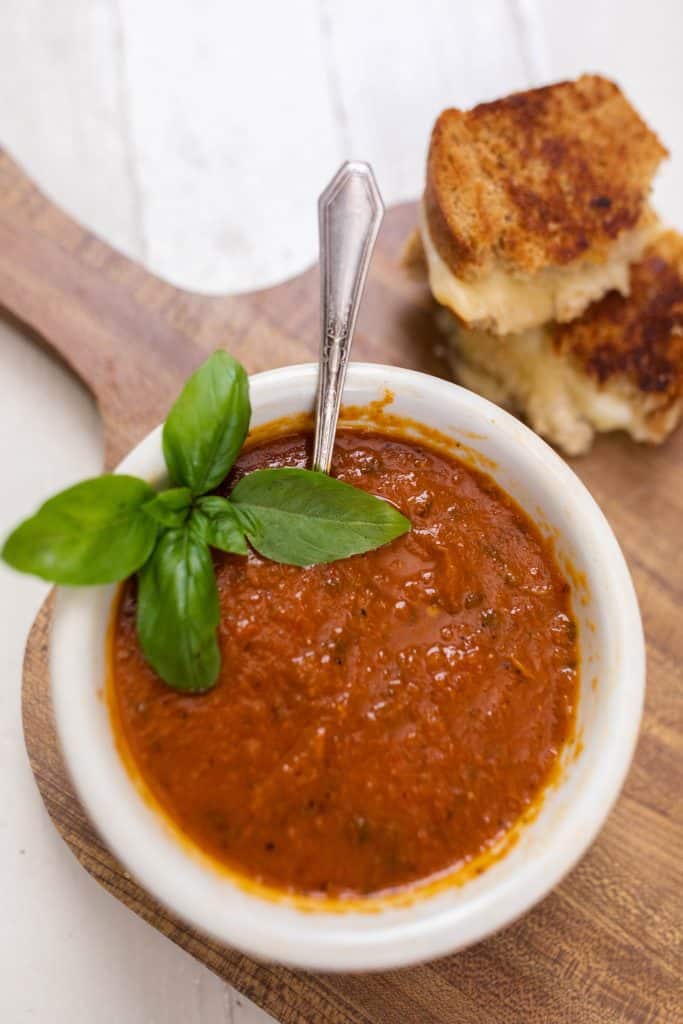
column 94, row 532
column 170, row 508
column 206, row 426
column 178, row 611
column 215, row 521
column 302, row 518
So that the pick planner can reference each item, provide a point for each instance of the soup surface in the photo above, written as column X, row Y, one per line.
column 378, row 720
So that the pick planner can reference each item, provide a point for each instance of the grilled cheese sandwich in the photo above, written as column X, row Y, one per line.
column 507, row 303
column 535, row 205
column 617, row 367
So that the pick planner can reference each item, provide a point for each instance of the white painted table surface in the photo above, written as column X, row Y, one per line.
column 195, row 135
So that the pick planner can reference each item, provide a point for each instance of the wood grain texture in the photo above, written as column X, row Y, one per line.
column 605, row 946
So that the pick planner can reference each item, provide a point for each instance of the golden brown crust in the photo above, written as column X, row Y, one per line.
column 541, row 178
column 639, row 338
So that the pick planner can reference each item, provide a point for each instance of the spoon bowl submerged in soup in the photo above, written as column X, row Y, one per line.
column 379, row 721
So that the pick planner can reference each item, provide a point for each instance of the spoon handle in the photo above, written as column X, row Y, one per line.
column 350, row 211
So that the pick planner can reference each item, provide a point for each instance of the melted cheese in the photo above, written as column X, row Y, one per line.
column 524, row 373
column 506, row 304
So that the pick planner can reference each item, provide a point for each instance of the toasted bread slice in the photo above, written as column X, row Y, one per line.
column 535, row 205
column 619, row 366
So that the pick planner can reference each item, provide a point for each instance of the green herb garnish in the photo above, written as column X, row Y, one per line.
column 178, row 611
column 95, row 532
column 303, row 518
column 104, row 530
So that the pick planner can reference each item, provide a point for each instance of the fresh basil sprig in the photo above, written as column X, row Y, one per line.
column 215, row 520
column 206, row 427
column 95, row 532
column 300, row 517
column 106, row 529
column 170, row 508
column 178, row 612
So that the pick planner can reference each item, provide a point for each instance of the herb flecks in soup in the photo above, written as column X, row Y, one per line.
column 378, row 720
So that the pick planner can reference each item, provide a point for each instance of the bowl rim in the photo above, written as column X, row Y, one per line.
column 401, row 942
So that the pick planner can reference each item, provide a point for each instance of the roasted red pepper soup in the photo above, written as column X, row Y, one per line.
column 378, row 721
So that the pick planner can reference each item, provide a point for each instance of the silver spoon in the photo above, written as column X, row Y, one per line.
column 350, row 211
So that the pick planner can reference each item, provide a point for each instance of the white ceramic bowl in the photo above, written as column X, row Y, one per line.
column 612, row 684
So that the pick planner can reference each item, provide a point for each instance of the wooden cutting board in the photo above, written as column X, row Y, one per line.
column 605, row 946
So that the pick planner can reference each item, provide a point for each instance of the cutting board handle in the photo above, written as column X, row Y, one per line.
column 108, row 319
column 133, row 338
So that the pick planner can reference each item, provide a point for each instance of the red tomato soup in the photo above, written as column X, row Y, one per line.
column 377, row 721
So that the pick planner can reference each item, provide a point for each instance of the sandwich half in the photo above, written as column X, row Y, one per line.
column 536, row 205
column 617, row 366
